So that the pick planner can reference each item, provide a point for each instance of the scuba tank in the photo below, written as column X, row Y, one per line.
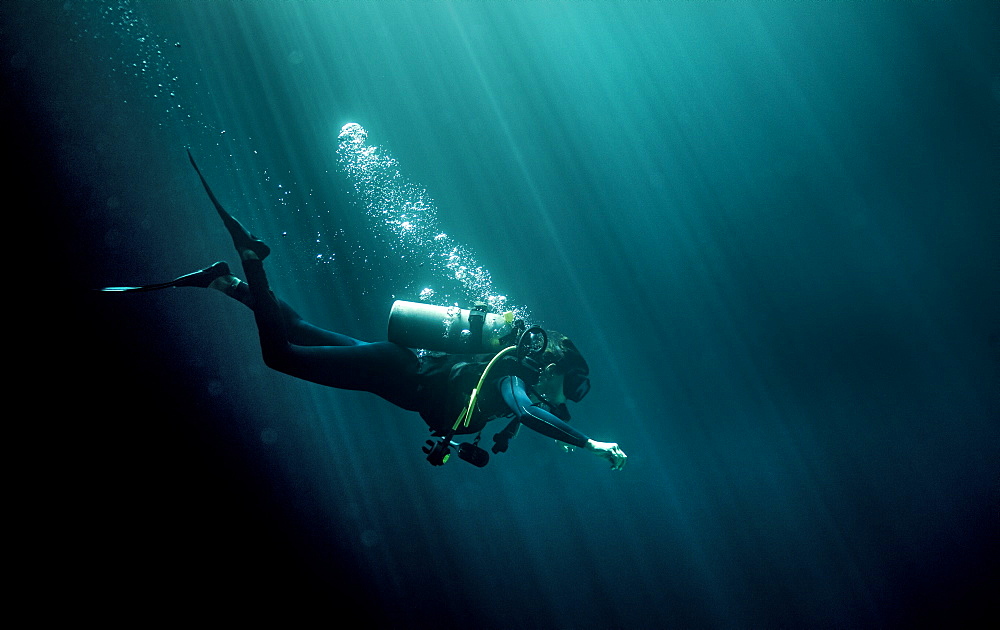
column 452, row 329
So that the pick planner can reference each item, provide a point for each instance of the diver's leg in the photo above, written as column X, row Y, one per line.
column 299, row 331
column 384, row 368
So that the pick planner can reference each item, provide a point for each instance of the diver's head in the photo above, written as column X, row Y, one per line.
column 565, row 376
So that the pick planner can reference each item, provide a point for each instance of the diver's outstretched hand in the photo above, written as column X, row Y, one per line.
column 609, row 451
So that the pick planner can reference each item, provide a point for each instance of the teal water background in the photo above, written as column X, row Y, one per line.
column 772, row 227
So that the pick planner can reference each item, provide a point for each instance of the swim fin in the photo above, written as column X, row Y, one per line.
column 242, row 238
column 201, row 279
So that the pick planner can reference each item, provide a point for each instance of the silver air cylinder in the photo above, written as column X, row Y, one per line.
column 448, row 328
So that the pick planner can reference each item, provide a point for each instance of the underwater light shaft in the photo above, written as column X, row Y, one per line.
column 408, row 214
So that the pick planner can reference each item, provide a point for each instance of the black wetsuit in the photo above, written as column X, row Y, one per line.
column 436, row 385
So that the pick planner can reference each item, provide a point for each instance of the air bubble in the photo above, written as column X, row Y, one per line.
column 405, row 212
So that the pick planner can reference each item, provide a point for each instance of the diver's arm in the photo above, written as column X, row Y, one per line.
column 515, row 396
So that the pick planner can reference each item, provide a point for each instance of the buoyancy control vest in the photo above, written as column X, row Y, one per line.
column 466, row 351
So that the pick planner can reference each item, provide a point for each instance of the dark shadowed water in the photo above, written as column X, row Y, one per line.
column 771, row 227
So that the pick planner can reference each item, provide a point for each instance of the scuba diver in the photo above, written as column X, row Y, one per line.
column 494, row 367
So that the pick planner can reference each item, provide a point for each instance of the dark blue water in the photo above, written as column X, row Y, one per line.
column 771, row 227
